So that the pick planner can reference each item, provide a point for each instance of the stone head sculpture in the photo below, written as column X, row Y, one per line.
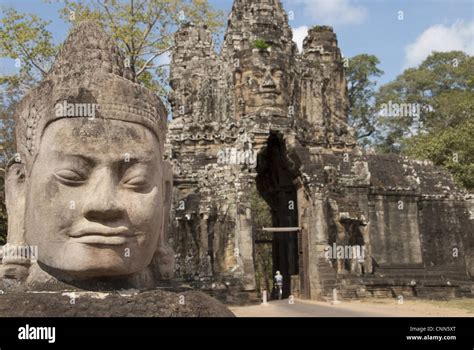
column 262, row 83
column 89, row 182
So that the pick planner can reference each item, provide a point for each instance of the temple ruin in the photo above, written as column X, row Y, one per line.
column 261, row 119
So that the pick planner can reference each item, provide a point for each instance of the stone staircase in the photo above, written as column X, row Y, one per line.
column 328, row 279
column 409, row 281
column 392, row 282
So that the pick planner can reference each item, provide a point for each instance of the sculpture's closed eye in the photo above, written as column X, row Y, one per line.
column 277, row 73
column 70, row 177
column 136, row 182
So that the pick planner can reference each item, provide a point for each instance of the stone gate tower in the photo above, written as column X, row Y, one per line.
column 261, row 115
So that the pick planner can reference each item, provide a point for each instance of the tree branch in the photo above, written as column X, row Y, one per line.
column 150, row 52
column 159, row 66
column 32, row 61
column 145, row 66
column 114, row 25
column 161, row 38
column 147, row 32
column 132, row 26
column 28, row 56
column 365, row 135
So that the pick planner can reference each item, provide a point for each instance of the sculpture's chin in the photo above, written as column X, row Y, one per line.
column 48, row 278
column 83, row 261
column 271, row 111
column 86, row 274
column 83, row 272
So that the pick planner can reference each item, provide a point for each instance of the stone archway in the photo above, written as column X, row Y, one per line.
column 276, row 180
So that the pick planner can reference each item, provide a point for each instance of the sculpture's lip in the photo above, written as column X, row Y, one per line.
column 103, row 240
column 103, row 236
column 102, row 232
column 269, row 97
column 269, row 90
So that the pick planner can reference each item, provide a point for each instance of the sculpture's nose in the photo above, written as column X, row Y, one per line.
column 101, row 202
column 268, row 82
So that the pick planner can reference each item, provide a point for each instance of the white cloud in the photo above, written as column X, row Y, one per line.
column 331, row 12
column 441, row 38
column 298, row 36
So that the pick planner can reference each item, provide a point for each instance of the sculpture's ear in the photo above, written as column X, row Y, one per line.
column 15, row 183
column 15, row 191
column 168, row 189
column 163, row 261
column 238, row 77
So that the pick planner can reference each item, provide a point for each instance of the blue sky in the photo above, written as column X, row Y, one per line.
column 362, row 26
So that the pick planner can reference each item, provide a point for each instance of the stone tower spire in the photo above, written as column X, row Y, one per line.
column 191, row 77
column 252, row 20
column 323, row 75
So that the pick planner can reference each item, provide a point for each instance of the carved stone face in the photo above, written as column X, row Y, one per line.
column 263, row 85
column 184, row 94
column 95, row 198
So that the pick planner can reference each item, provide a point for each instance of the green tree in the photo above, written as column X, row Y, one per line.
column 442, row 89
column 451, row 147
column 360, row 74
column 25, row 39
column 7, row 151
column 144, row 30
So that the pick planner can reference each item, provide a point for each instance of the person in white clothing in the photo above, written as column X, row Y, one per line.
column 279, row 284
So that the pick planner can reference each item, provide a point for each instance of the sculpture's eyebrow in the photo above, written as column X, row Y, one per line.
column 125, row 163
column 141, row 157
column 143, row 160
column 90, row 160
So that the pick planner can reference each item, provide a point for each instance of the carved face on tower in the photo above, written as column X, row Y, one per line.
column 184, row 94
column 89, row 188
column 262, row 85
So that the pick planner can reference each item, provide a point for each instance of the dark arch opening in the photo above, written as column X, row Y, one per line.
column 276, row 185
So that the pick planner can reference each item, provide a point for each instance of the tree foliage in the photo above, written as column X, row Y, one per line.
column 439, row 98
column 144, row 29
column 360, row 74
column 451, row 147
column 25, row 39
column 443, row 88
